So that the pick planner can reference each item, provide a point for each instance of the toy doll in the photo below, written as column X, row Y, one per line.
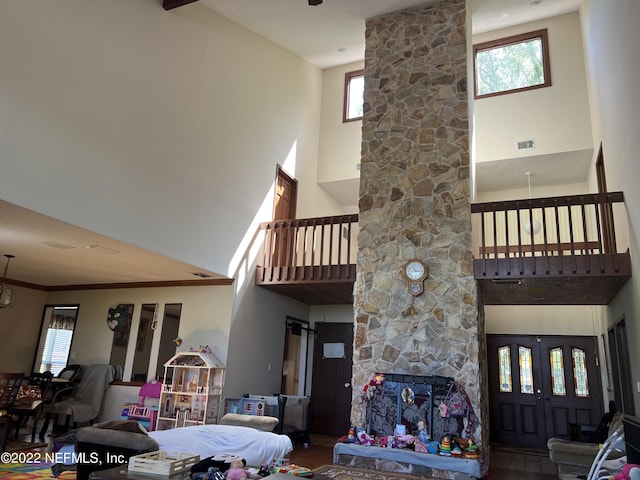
column 237, row 472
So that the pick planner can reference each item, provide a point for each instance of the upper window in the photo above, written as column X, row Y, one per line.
column 353, row 96
column 512, row 64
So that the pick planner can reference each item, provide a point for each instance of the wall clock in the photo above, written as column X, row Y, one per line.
column 415, row 271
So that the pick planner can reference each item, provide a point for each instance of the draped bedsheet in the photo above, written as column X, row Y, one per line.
column 255, row 446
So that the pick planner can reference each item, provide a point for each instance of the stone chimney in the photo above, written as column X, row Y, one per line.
column 415, row 203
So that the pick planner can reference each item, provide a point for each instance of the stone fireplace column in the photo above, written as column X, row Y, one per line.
column 415, row 203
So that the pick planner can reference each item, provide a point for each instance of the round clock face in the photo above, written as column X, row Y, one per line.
column 414, row 270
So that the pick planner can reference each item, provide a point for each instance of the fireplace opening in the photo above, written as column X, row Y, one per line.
column 407, row 399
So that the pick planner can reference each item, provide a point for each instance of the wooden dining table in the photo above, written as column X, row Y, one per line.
column 28, row 408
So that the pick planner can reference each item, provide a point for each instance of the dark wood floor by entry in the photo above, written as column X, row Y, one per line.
column 504, row 466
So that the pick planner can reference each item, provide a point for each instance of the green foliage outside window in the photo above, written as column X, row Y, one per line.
column 512, row 64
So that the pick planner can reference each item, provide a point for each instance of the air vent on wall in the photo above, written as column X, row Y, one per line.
column 526, row 144
column 507, row 282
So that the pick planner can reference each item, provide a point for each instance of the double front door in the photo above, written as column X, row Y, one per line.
column 539, row 385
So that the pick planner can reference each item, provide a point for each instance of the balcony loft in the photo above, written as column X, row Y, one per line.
column 312, row 259
column 568, row 258
column 550, row 251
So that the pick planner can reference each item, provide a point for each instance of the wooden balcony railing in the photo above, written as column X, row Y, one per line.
column 563, row 227
column 571, row 236
column 568, row 257
column 315, row 251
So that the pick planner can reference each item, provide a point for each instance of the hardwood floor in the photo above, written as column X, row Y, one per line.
column 318, row 453
column 504, row 466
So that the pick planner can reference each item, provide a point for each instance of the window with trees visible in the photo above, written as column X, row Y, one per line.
column 512, row 64
column 353, row 96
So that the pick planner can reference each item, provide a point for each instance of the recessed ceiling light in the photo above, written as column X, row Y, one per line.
column 101, row 249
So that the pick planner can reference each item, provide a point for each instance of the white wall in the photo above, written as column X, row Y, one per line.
column 20, row 330
column 340, row 143
column 156, row 122
column 503, row 120
column 256, row 347
column 339, row 153
column 166, row 129
column 204, row 318
column 543, row 319
column 611, row 37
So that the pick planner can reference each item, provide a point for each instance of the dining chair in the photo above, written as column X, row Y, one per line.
column 9, row 387
column 85, row 400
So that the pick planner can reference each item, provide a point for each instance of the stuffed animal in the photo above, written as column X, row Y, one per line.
column 382, row 441
column 375, row 383
column 237, row 472
column 630, row 471
column 402, row 441
column 364, row 438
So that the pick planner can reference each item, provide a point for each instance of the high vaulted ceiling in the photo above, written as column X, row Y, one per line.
column 332, row 33
column 51, row 253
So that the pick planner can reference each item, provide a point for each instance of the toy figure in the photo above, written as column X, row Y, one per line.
column 629, row 471
column 375, row 384
column 422, row 432
column 237, row 472
column 445, row 446
column 364, row 438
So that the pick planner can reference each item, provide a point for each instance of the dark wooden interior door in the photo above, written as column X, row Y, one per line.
column 539, row 385
column 331, row 387
column 606, row 214
column 284, row 208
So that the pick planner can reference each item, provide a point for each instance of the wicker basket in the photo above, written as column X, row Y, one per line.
column 162, row 462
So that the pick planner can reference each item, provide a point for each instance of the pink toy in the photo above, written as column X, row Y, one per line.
column 150, row 389
column 421, row 447
column 630, row 471
column 237, row 472
column 403, row 440
column 364, row 438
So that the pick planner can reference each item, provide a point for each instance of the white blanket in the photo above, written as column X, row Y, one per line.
column 255, row 446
